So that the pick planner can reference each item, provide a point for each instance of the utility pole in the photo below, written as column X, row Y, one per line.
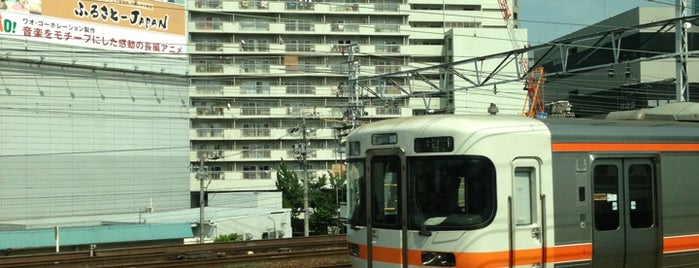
column 681, row 48
column 304, row 162
column 201, row 174
column 301, row 152
column 353, row 111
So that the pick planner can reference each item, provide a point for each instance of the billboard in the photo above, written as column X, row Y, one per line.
column 148, row 26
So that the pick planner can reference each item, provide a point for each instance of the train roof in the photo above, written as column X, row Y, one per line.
column 449, row 124
column 677, row 122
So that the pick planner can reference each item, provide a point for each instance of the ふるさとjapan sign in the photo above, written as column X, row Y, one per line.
column 127, row 25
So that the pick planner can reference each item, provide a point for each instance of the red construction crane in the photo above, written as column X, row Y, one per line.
column 507, row 16
column 534, row 104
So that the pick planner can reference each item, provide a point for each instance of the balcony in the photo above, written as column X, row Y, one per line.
column 256, row 153
column 254, row 25
column 254, row 4
column 257, row 175
column 255, row 47
column 256, row 132
column 384, row 69
column 210, row 4
column 344, row 7
column 387, row 48
column 300, row 90
column 209, row 111
column 210, row 154
column 208, row 47
column 387, row 28
column 386, row 7
column 209, row 133
column 208, row 90
column 255, row 111
column 208, row 25
column 306, row 5
column 344, row 27
column 209, row 68
column 299, row 48
column 299, row 26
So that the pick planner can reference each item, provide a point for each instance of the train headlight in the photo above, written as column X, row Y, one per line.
column 438, row 258
column 353, row 249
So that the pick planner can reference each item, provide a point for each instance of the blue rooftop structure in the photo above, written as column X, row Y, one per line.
column 69, row 236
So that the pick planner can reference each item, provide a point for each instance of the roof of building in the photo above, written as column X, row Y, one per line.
column 99, row 229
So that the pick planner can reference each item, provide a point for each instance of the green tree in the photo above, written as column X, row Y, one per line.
column 322, row 198
column 227, row 238
column 292, row 190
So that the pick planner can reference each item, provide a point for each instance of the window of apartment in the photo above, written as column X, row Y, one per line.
column 254, row 87
column 257, row 151
column 208, row 23
column 256, row 130
column 256, row 172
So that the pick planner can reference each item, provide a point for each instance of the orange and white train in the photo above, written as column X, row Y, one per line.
column 506, row 191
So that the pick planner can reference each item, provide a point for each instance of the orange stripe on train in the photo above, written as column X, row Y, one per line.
column 558, row 254
column 680, row 243
column 623, row 147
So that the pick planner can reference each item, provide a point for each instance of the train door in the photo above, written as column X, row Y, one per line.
column 386, row 212
column 625, row 230
column 526, row 215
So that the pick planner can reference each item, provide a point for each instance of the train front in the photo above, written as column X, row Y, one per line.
column 423, row 192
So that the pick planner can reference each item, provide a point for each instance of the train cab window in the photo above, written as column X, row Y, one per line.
column 385, row 174
column 606, row 195
column 640, row 196
column 450, row 193
column 356, row 208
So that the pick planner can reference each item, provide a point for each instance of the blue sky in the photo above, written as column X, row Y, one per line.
column 546, row 20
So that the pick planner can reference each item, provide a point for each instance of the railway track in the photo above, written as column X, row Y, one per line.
column 315, row 251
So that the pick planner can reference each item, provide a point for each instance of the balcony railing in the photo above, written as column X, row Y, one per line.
column 254, row 4
column 388, row 111
column 208, row 25
column 208, row 4
column 211, row 154
column 256, row 132
column 209, row 132
column 299, row 26
column 344, row 7
column 217, row 175
column 292, row 5
column 210, row 68
column 299, row 48
column 214, row 47
column 298, row 89
column 383, row 69
column 385, row 48
column 263, row 47
column 254, row 89
column 344, row 27
column 265, row 154
column 254, row 25
column 387, row 28
column 252, row 175
column 209, row 111
column 255, row 111
column 209, row 89
column 255, row 68
column 386, row 7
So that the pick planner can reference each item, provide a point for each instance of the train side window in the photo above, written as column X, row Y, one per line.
column 523, row 195
column 606, row 194
column 640, row 196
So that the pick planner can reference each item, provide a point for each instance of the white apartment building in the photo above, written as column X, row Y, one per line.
column 263, row 70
